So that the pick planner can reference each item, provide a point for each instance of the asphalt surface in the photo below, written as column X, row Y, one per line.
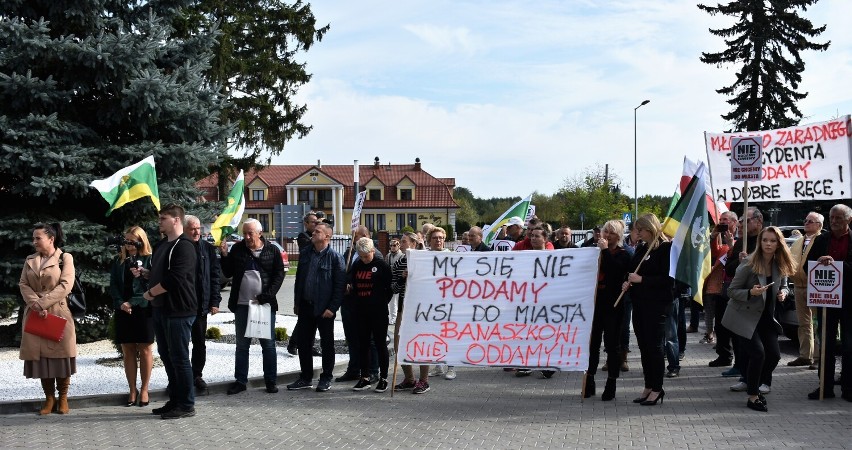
column 482, row 408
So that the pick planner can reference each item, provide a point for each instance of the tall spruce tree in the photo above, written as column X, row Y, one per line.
column 767, row 41
column 86, row 88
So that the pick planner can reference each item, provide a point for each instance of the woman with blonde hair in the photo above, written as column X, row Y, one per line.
column 45, row 282
column 608, row 318
column 651, row 291
column 758, row 282
column 134, row 326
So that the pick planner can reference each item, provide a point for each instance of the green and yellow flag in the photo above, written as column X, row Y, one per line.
column 688, row 222
column 229, row 220
column 519, row 209
column 130, row 183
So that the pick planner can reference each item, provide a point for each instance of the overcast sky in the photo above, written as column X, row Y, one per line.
column 511, row 97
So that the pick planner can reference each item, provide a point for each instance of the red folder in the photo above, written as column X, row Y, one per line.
column 49, row 327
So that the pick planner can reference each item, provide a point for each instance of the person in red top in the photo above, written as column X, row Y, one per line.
column 538, row 239
column 526, row 244
column 828, row 248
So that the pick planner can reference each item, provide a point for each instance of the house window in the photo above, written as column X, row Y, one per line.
column 405, row 194
column 263, row 219
column 412, row 221
column 400, row 222
column 374, row 194
column 380, row 222
column 258, row 195
column 370, row 221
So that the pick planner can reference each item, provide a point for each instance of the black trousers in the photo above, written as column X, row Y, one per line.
column 308, row 326
column 843, row 317
column 199, row 344
column 763, row 355
column 607, row 324
column 649, row 324
column 372, row 322
column 724, row 338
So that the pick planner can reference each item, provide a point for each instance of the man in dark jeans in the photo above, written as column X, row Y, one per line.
column 175, row 307
column 310, row 222
column 207, row 289
column 317, row 296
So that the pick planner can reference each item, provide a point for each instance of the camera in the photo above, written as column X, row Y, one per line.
column 118, row 241
column 722, row 228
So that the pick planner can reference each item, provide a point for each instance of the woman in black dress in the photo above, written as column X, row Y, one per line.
column 651, row 291
column 134, row 328
column 608, row 319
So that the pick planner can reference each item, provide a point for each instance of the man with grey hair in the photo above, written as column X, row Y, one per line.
column 474, row 236
column 258, row 272
column 828, row 248
column 207, row 290
column 369, row 283
column 800, row 250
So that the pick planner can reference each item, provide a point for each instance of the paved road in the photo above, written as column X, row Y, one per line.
column 482, row 408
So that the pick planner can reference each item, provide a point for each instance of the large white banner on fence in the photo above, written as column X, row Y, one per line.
column 808, row 162
column 502, row 309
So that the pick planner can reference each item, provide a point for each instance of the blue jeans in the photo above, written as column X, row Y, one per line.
column 671, row 342
column 173, row 336
column 241, row 354
column 681, row 324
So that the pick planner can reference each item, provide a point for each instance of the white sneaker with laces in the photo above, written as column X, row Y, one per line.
column 739, row 387
column 436, row 371
column 451, row 373
column 764, row 389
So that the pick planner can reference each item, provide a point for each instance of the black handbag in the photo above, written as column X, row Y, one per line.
column 77, row 297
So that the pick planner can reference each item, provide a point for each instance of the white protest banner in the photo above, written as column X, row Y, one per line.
column 356, row 212
column 529, row 309
column 808, row 162
column 463, row 248
column 825, row 285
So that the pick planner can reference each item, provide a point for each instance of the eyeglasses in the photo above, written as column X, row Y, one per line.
column 811, row 221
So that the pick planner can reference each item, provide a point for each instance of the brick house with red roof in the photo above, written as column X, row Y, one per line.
column 397, row 194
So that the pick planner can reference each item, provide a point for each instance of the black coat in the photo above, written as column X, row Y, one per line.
column 207, row 282
column 655, row 290
column 271, row 272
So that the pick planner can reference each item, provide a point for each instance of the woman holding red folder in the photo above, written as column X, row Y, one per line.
column 45, row 286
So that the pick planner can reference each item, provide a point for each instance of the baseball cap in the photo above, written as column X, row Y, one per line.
column 515, row 220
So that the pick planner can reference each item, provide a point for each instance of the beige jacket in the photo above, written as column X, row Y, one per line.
column 48, row 288
column 800, row 278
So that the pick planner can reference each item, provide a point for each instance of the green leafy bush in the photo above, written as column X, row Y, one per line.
column 213, row 333
column 281, row 334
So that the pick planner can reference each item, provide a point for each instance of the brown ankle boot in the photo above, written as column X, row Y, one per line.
column 49, row 387
column 62, row 385
column 624, row 366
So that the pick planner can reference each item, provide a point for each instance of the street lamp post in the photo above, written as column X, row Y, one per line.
column 635, row 164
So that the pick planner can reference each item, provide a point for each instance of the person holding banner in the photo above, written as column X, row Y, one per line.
column 759, row 280
column 436, row 238
column 800, row 250
column 828, row 248
column 651, row 291
column 400, row 275
column 614, row 263
column 537, row 237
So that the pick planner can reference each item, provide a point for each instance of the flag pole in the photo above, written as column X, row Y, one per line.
column 635, row 271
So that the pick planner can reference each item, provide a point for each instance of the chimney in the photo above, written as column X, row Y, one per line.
column 376, row 163
column 417, row 164
column 319, row 164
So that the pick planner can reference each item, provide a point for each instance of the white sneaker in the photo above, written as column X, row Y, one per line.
column 451, row 373
column 436, row 371
column 739, row 387
column 764, row 389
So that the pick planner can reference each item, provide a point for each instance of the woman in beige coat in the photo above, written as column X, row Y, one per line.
column 45, row 287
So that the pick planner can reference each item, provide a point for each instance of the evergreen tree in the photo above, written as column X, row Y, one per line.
column 767, row 40
column 86, row 88
column 255, row 63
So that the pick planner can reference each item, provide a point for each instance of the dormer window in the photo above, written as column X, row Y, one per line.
column 258, row 195
column 374, row 194
column 405, row 194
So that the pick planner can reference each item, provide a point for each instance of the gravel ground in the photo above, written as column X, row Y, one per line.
column 93, row 378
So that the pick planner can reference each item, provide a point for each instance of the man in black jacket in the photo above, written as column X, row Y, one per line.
column 175, row 306
column 258, row 272
column 304, row 241
column 207, row 289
